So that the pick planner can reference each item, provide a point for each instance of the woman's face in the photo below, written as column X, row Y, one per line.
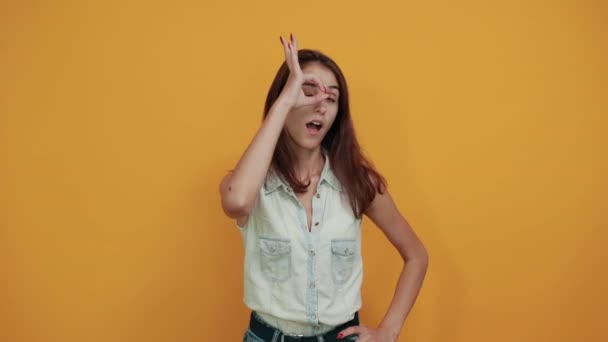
column 307, row 125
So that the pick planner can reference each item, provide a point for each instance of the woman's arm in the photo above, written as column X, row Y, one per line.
column 387, row 217
column 239, row 189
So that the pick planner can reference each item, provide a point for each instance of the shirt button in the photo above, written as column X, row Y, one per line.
column 318, row 195
column 316, row 223
column 312, row 253
column 312, row 285
column 313, row 316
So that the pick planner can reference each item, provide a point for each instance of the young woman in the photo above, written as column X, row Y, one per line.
column 298, row 194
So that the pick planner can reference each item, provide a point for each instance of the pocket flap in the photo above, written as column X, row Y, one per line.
column 274, row 246
column 343, row 247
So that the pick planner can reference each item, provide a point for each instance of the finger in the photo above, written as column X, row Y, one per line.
column 308, row 100
column 294, row 44
column 314, row 79
column 351, row 331
column 294, row 54
column 287, row 52
column 294, row 41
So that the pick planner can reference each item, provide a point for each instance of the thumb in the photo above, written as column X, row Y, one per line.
column 357, row 329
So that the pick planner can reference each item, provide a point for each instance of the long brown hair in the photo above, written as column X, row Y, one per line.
column 356, row 174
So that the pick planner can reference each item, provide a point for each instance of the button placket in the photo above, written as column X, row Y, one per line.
column 311, row 288
column 317, row 210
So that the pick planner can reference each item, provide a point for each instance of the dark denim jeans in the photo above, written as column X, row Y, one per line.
column 272, row 334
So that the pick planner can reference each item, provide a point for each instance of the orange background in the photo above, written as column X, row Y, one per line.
column 119, row 118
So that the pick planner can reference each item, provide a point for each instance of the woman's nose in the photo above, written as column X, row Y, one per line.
column 321, row 108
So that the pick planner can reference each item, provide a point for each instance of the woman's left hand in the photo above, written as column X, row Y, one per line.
column 367, row 334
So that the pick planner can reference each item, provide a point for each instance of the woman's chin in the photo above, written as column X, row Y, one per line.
column 308, row 144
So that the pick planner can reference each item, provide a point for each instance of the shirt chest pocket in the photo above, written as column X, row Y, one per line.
column 275, row 258
column 343, row 254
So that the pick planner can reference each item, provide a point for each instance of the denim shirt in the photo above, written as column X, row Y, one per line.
column 307, row 282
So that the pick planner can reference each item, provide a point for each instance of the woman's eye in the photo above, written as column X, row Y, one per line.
column 331, row 99
column 309, row 90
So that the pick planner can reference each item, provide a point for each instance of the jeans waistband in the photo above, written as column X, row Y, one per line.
column 294, row 328
column 268, row 333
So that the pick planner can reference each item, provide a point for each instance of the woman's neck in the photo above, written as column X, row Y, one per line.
column 308, row 163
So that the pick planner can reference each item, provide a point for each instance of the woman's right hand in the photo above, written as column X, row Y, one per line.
column 292, row 93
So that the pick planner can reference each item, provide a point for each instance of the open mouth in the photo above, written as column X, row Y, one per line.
column 314, row 127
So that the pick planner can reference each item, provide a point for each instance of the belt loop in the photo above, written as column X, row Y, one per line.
column 275, row 337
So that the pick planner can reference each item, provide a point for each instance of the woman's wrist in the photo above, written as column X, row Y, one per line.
column 282, row 104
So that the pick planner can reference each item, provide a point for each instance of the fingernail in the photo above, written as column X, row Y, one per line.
column 339, row 336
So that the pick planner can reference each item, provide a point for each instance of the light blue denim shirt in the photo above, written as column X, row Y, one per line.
column 299, row 281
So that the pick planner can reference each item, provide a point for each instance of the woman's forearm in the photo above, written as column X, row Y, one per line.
column 408, row 286
column 241, row 188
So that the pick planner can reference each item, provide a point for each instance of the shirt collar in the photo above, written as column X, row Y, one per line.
column 274, row 181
